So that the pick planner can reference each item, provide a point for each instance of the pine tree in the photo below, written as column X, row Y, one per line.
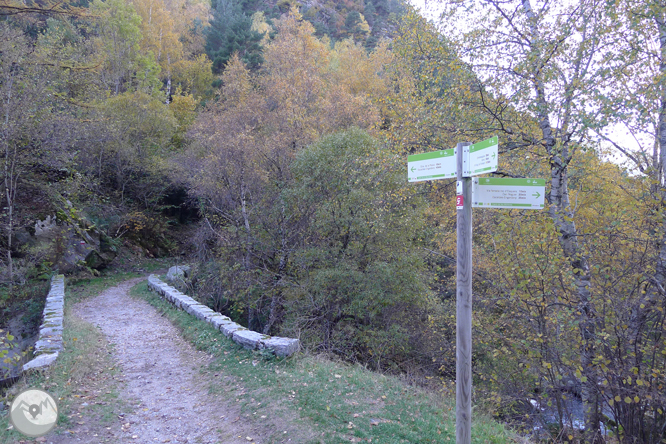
column 231, row 32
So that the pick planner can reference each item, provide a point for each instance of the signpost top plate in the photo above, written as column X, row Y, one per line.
column 431, row 166
column 481, row 157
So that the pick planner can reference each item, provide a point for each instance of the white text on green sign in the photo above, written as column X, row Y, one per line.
column 481, row 157
column 493, row 192
column 431, row 166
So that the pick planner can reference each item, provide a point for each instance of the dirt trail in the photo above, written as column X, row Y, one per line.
column 161, row 380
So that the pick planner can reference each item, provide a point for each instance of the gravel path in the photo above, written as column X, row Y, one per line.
column 161, row 378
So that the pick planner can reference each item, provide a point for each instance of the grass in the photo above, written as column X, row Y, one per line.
column 304, row 399
column 85, row 358
column 312, row 399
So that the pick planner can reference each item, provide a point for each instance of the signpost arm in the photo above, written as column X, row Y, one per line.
column 464, row 308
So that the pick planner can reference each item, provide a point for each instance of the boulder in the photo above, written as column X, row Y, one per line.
column 77, row 243
column 45, row 229
column 21, row 237
column 178, row 273
column 98, row 260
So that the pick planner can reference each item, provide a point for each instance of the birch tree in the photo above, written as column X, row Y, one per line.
column 542, row 58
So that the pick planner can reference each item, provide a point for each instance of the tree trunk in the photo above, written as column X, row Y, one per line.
column 10, row 181
column 246, row 253
column 660, row 274
column 276, row 299
column 560, row 211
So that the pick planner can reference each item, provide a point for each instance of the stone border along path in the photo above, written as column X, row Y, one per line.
column 50, row 333
column 249, row 339
column 162, row 383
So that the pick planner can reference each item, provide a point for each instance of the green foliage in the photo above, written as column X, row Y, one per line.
column 359, row 269
column 431, row 106
column 120, row 33
column 139, row 129
column 7, row 344
column 230, row 32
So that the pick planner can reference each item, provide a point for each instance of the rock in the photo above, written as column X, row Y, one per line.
column 44, row 229
column 178, row 273
column 248, row 338
column 73, row 242
column 41, row 361
column 99, row 260
column 196, row 310
column 282, row 347
column 21, row 237
column 217, row 320
column 50, row 332
column 229, row 328
column 48, row 345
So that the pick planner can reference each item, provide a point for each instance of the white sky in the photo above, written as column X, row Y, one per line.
column 430, row 9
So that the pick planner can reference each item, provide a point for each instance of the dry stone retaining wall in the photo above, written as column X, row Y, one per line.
column 49, row 343
column 247, row 338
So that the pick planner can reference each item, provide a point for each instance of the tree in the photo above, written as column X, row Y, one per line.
column 125, row 67
column 358, row 267
column 14, row 50
column 231, row 32
column 38, row 88
column 243, row 146
column 433, row 89
column 159, row 37
column 10, row 7
column 139, row 130
column 545, row 63
column 194, row 76
column 356, row 26
column 119, row 38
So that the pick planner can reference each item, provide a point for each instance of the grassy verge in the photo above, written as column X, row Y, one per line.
column 82, row 378
column 322, row 401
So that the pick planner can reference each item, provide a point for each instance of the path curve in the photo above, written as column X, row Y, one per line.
column 163, row 383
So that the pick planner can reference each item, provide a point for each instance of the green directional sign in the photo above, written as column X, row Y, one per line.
column 431, row 166
column 491, row 192
column 481, row 158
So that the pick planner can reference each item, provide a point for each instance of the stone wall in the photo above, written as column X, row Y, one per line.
column 49, row 343
column 247, row 338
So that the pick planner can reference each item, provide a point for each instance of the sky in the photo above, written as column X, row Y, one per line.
column 431, row 10
column 428, row 8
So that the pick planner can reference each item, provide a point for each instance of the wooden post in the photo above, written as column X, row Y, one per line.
column 463, row 305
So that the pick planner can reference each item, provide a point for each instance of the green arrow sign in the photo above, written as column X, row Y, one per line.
column 481, row 158
column 431, row 166
column 491, row 192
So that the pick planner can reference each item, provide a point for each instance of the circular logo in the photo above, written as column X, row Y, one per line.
column 33, row 412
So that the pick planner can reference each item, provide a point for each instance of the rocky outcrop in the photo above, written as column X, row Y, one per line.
column 49, row 344
column 247, row 338
column 69, row 241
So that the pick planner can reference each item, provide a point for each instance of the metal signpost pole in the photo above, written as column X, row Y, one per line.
column 463, row 303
